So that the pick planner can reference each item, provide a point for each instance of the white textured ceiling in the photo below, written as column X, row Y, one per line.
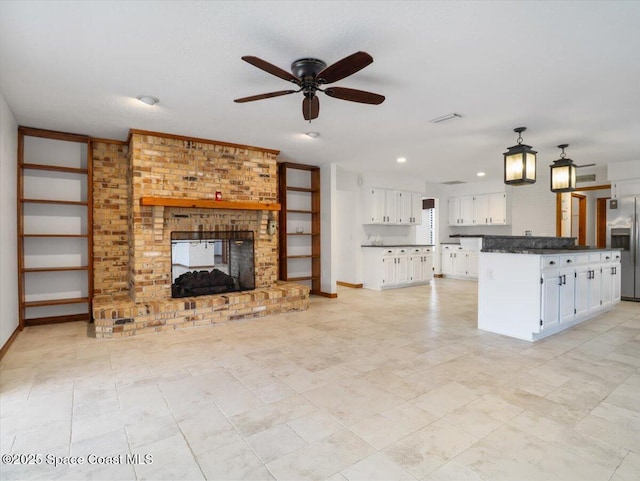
column 569, row 71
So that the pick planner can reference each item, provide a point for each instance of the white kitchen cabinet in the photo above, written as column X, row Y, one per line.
column 397, row 207
column 472, row 264
column 458, row 262
column 461, row 210
column 396, row 267
column 530, row 296
column 416, row 208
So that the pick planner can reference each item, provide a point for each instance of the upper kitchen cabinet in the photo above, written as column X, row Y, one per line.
column 393, row 207
column 480, row 209
column 461, row 211
column 490, row 209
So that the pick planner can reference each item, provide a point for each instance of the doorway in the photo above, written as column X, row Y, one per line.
column 579, row 218
column 587, row 224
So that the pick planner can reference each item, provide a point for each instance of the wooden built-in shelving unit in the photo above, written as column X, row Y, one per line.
column 299, row 189
column 55, row 265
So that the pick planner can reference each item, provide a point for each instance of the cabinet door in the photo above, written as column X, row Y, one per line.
column 416, row 267
column 583, row 279
column 427, row 267
column 389, row 277
column 595, row 289
column 606, row 294
column 391, row 206
column 447, row 262
column 405, row 215
column 454, row 211
column 550, row 308
column 567, row 295
column 416, row 208
column 459, row 263
column 466, row 210
column 497, row 208
column 472, row 264
column 481, row 209
column 402, row 273
column 615, row 284
column 374, row 206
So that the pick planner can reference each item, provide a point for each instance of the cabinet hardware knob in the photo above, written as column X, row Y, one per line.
column 569, row 261
column 552, row 263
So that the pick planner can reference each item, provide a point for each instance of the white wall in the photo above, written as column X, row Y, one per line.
column 8, row 222
column 328, row 228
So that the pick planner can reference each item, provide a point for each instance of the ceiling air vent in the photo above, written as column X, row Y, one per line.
column 453, row 182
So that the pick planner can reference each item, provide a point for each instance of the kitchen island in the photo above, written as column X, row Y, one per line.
column 532, row 287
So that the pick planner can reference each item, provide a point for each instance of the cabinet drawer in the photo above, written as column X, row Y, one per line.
column 606, row 256
column 427, row 250
column 389, row 252
column 567, row 260
column 550, row 262
column 416, row 250
column 594, row 257
column 582, row 259
column 616, row 256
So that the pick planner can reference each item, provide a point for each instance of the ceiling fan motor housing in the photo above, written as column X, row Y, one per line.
column 307, row 67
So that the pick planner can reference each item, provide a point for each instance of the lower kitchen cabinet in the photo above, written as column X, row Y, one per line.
column 530, row 296
column 457, row 262
column 393, row 267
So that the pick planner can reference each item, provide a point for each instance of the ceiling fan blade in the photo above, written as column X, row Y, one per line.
column 310, row 108
column 345, row 67
column 354, row 95
column 270, row 68
column 265, row 96
column 585, row 165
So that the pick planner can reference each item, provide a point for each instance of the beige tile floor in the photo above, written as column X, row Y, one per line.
column 397, row 385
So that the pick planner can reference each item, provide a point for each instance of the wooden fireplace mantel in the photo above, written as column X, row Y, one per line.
column 206, row 203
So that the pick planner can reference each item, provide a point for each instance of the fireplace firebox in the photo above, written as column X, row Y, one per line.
column 211, row 262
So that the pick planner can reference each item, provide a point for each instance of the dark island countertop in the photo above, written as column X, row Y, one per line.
column 550, row 251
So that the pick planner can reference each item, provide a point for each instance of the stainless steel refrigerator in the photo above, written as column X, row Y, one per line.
column 622, row 233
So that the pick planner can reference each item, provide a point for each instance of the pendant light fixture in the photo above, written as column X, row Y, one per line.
column 563, row 173
column 520, row 162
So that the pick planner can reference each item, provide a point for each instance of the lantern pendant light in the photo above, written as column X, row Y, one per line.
column 563, row 173
column 520, row 162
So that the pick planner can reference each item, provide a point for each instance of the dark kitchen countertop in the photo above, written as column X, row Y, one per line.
column 399, row 245
column 570, row 250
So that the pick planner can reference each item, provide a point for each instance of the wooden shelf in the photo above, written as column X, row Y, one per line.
column 55, row 168
column 302, row 189
column 55, row 235
column 59, row 202
column 303, row 233
column 309, row 256
column 297, row 211
column 206, row 203
column 57, row 302
column 55, row 269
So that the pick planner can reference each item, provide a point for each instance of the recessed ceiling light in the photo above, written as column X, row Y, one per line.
column 313, row 135
column 148, row 99
column 481, row 174
column 444, row 118
column 401, row 160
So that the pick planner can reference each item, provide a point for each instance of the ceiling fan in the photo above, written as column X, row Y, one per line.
column 311, row 75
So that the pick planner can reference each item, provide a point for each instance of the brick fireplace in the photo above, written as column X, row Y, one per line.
column 144, row 190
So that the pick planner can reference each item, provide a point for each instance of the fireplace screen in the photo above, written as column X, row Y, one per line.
column 204, row 263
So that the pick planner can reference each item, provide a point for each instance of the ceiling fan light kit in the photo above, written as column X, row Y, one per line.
column 148, row 99
column 310, row 75
column 520, row 162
